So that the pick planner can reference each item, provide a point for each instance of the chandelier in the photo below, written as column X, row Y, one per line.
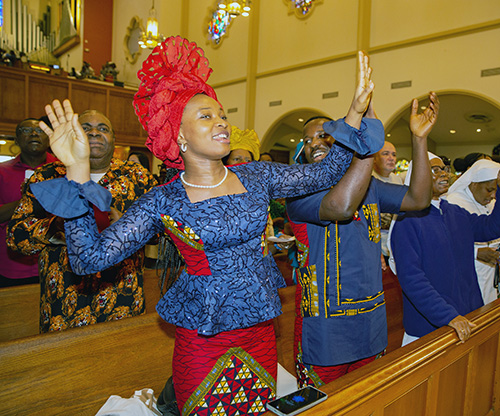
column 235, row 7
column 222, row 17
column 150, row 37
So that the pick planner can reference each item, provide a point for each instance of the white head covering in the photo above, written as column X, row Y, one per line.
column 460, row 194
column 481, row 171
column 392, row 263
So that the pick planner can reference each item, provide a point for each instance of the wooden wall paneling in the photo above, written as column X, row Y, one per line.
column 482, row 389
column 25, row 94
column 496, row 385
column 12, row 97
column 87, row 97
column 42, row 91
column 432, row 394
column 415, row 399
column 452, row 387
column 121, row 113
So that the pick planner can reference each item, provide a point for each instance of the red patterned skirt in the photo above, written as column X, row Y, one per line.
column 232, row 372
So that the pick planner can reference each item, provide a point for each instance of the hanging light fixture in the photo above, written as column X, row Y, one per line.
column 150, row 37
column 222, row 17
column 235, row 7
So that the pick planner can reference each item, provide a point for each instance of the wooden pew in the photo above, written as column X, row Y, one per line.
column 19, row 311
column 75, row 371
column 20, row 305
column 435, row 375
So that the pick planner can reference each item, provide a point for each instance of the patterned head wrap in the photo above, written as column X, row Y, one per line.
column 175, row 71
column 246, row 140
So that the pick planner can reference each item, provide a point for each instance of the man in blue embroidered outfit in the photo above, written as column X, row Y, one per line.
column 340, row 311
column 68, row 300
column 224, row 300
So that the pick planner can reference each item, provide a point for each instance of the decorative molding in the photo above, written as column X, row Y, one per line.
column 134, row 31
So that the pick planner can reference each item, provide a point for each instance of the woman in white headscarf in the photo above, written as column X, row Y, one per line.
column 475, row 192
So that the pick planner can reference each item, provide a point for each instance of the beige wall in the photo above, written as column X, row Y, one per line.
column 396, row 20
column 168, row 15
column 286, row 40
column 440, row 45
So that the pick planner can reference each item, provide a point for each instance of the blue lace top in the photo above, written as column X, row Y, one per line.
column 227, row 283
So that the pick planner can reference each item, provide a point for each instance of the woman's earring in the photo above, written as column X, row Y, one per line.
column 184, row 147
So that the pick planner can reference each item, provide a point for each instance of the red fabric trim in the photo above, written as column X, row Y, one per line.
column 300, row 233
column 195, row 355
column 196, row 260
column 101, row 218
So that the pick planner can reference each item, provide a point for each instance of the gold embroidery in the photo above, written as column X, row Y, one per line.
column 372, row 216
column 367, row 299
column 352, row 312
column 309, row 304
column 186, row 235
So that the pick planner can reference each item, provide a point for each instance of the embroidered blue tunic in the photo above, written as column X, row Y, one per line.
column 228, row 283
column 342, row 305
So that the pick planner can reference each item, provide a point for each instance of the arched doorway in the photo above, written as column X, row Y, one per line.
column 282, row 137
column 467, row 122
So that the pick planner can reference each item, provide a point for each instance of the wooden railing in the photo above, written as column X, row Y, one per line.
column 75, row 371
column 435, row 375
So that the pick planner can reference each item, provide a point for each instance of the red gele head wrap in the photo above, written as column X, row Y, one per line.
column 175, row 71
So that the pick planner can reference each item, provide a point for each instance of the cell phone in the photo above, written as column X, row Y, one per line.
column 297, row 402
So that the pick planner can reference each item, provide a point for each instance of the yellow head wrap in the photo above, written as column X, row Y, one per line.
column 246, row 140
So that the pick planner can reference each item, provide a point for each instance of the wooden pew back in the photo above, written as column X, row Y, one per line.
column 19, row 311
column 20, row 306
column 435, row 375
column 75, row 371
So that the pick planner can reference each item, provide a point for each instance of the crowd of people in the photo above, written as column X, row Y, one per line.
column 79, row 220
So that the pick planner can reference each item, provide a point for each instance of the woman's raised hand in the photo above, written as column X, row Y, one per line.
column 68, row 141
column 363, row 92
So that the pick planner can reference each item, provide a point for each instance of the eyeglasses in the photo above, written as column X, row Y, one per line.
column 28, row 130
column 437, row 169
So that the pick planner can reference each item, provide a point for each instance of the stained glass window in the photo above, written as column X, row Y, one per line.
column 402, row 165
column 301, row 8
column 218, row 25
column 303, row 5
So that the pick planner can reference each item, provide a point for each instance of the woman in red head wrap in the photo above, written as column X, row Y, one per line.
column 224, row 300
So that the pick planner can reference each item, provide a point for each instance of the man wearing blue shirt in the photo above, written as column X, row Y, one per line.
column 340, row 311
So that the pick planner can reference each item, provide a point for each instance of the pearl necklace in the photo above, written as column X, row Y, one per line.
column 204, row 186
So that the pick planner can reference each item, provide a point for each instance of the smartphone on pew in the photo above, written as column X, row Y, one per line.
column 297, row 402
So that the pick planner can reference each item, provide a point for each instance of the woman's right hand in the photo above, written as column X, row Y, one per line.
column 68, row 141
column 462, row 326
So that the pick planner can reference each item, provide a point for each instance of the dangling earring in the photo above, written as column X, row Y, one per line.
column 184, row 147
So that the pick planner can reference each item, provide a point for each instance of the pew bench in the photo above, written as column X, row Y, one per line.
column 75, row 371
